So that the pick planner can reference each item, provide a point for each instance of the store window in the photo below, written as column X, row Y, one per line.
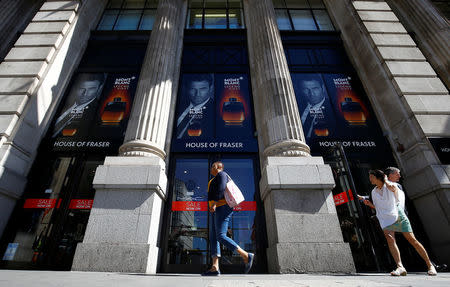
column 215, row 14
column 128, row 15
column 302, row 15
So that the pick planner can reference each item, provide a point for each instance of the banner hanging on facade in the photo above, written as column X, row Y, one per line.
column 333, row 111
column 95, row 113
column 214, row 114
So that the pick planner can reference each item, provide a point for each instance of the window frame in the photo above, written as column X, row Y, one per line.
column 311, row 10
column 120, row 11
column 227, row 7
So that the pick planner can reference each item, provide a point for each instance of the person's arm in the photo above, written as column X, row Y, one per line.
column 366, row 201
column 392, row 186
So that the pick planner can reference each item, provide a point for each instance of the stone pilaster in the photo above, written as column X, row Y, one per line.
column 302, row 224
column 431, row 30
column 148, row 125
column 33, row 78
column 124, row 224
column 411, row 104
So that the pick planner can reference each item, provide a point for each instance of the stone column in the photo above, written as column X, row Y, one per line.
column 302, row 226
column 123, row 229
column 431, row 30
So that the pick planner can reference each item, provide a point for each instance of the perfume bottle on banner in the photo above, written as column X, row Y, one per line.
column 349, row 103
column 195, row 129
column 353, row 112
column 114, row 112
column 233, row 113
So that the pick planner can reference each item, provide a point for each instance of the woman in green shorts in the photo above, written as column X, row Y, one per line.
column 393, row 219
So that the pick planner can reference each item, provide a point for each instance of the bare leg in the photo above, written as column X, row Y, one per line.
column 393, row 248
column 243, row 253
column 215, row 264
column 418, row 246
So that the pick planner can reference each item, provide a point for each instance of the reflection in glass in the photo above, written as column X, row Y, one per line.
column 115, row 4
column 215, row 19
column 242, row 225
column 279, row 4
column 195, row 19
column 147, row 20
column 128, row 20
column 323, row 20
column 108, row 20
column 188, row 229
column 236, row 19
column 303, row 20
column 283, row 20
column 234, row 3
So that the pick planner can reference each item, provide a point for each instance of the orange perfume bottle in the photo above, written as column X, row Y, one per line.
column 114, row 112
column 195, row 129
column 233, row 112
column 320, row 129
column 353, row 112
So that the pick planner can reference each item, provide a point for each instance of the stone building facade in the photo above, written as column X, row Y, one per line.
column 399, row 54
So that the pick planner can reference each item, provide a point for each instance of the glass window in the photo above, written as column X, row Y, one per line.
column 195, row 17
column 147, row 20
column 108, row 20
column 323, row 20
column 236, row 19
column 302, row 20
column 215, row 19
column 128, row 20
column 129, row 15
column 215, row 14
column 302, row 16
column 283, row 19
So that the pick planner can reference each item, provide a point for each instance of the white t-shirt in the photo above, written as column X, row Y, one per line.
column 385, row 203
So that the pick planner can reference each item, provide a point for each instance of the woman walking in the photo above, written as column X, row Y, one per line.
column 220, row 217
column 392, row 219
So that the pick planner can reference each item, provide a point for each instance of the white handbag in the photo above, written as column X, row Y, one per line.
column 233, row 194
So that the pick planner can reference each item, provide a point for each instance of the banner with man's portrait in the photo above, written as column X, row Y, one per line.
column 214, row 114
column 95, row 112
column 332, row 110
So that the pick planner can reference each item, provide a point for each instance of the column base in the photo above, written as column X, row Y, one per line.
column 303, row 230
column 310, row 257
column 104, row 257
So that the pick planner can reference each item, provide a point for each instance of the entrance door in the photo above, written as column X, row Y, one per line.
column 187, row 243
column 53, row 216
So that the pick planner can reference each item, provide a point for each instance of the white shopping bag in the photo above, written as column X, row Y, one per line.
column 233, row 194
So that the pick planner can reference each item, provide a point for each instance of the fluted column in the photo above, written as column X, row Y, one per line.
column 432, row 30
column 278, row 119
column 148, row 125
column 303, row 233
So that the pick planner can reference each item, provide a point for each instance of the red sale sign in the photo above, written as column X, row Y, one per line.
column 203, row 206
column 342, row 197
column 40, row 203
column 81, row 203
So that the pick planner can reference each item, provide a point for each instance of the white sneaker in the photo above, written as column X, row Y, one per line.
column 432, row 271
column 400, row 271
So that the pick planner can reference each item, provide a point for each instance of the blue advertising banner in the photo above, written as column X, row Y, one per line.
column 95, row 113
column 332, row 111
column 214, row 114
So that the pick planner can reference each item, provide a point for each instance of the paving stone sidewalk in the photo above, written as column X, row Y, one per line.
column 15, row 278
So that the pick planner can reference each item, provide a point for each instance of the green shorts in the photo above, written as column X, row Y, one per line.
column 402, row 224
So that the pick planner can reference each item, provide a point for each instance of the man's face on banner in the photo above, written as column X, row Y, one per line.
column 87, row 91
column 199, row 92
column 313, row 91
